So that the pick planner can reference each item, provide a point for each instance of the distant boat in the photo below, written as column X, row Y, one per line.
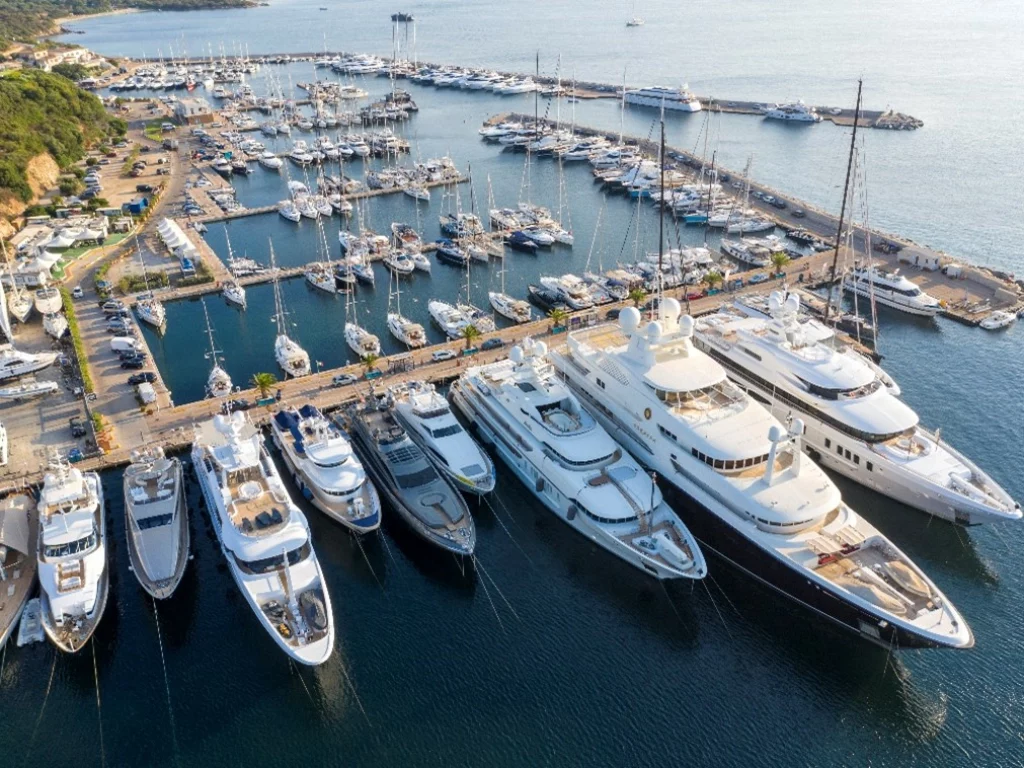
column 399, row 16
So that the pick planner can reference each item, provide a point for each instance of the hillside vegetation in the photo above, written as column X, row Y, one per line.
column 25, row 20
column 44, row 113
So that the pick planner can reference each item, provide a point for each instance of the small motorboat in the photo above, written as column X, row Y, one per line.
column 998, row 320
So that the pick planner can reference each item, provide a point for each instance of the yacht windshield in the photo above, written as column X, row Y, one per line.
column 451, row 429
column 77, row 547
column 154, row 521
column 416, row 478
column 842, row 394
column 268, row 564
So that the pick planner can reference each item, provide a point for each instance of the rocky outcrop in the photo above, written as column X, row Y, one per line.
column 42, row 174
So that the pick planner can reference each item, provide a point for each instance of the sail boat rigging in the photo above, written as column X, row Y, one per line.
column 218, row 383
column 148, row 306
column 292, row 358
column 846, row 192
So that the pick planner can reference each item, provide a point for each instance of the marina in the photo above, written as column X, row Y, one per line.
column 437, row 467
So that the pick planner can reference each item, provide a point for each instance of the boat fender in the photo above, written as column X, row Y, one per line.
column 572, row 512
column 540, row 484
column 307, row 494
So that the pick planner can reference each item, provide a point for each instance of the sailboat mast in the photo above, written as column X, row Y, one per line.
column 846, row 192
column 661, row 210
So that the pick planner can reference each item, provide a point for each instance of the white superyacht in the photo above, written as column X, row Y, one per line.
column 855, row 423
column 264, row 537
column 891, row 289
column 429, row 421
column 759, row 502
column 322, row 462
column 72, row 555
column 156, row 521
column 568, row 461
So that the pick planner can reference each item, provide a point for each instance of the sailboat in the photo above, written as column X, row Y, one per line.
column 19, row 305
column 359, row 340
column 292, row 358
column 218, row 383
column 516, row 310
column 149, row 308
column 320, row 274
column 232, row 290
column 402, row 328
column 635, row 20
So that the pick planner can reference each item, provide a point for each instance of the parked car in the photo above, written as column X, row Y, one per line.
column 760, row 277
column 492, row 344
column 77, row 427
column 442, row 354
column 343, row 380
column 143, row 187
column 779, row 203
column 798, row 213
column 77, row 292
column 146, row 377
column 133, row 363
column 236, row 405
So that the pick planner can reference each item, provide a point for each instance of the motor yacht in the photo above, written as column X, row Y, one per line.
column 424, row 414
column 423, row 498
column 72, row 555
column 570, row 463
column 570, row 292
column 156, row 521
column 399, row 262
column 756, row 499
column 516, row 310
column 891, row 289
column 14, row 362
column 270, row 161
column 450, row 253
column 448, row 318
column 19, row 530
column 671, row 99
column 797, row 112
column 264, row 536
column 26, row 390
column 325, row 469
column 855, row 424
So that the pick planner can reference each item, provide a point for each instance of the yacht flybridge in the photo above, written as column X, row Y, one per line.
column 568, row 461
column 891, row 289
column 72, row 555
column 321, row 460
column 264, row 537
column 761, row 503
column 855, row 423
column 426, row 417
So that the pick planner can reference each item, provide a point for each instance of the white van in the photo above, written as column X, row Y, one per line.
column 146, row 393
column 124, row 344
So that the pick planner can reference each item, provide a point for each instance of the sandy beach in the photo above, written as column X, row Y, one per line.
column 58, row 23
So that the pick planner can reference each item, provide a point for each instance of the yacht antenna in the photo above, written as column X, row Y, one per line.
column 846, row 191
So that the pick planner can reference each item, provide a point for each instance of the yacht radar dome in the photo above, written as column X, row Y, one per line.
column 516, row 354
column 670, row 311
column 686, row 325
column 629, row 319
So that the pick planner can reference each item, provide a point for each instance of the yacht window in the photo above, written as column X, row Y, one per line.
column 415, row 479
column 870, row 466
column 670, row 435
column 828, row 443
column 842, row 394
column 442, row 411
column 856, row 459
column 752, row 353
column 451, row 429
column 154, row 521
column 600, row 384
column 839, row 449
column 728, row 465
column 604, row 520
column 268, row 564
column 526, row 387
column 72, row 547
column 570, row 463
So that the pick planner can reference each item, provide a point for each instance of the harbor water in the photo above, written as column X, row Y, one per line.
column 546, row 651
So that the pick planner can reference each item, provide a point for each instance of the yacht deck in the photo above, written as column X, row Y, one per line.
column 255, row 509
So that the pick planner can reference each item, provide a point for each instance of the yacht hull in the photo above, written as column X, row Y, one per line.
column 161, row 589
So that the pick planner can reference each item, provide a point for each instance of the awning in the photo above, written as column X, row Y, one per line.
column 14, row 523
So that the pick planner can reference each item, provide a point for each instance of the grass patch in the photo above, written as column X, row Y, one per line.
column 126, row 169
column 76, row 337
column 154, row 130
column 135, row 282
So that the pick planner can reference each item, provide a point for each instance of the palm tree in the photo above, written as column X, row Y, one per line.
column 469, row 333
column 264, row 382
column 637, row 295
column 712, row 278
column 779, row 260
column 370, row 362
column 558, row 317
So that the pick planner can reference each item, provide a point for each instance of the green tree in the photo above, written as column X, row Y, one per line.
column 69, row 185
column 264, row 382
column 470, row 333
column 558, row 317
column 637, row 295
column 370, row 362
column 779, row 260
column 73, row 72
column 712, row 279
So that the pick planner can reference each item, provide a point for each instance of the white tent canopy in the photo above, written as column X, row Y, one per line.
column 14, row 523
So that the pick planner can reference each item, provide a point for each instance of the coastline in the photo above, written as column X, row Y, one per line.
column 59, row 23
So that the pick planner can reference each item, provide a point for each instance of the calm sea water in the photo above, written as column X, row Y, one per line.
column 551, row 653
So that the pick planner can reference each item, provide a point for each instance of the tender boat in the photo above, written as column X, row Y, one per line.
column 325, row 469
column 998, row 320
column 19, row 530
column 567, row 460
column 72, row 555
column 756, row 499
column 428, row 420
column 854, row 422
column 156, row 521
column 264, row 537
column 422, row 497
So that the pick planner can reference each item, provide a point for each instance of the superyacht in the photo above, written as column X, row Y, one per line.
column 264, row 537
column 427, row 419
column 568, row 461
column 72, row 555
column 855, row 423
column 759, row 502
column 891, row 289
column 322, row 463
column 156, row 521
